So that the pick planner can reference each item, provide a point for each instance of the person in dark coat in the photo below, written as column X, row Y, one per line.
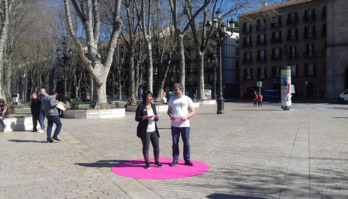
column 35, row 108
column 147, row 130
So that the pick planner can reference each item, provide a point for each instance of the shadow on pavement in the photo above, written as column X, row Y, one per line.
column 228, row 196
column 103, row 163
column 24, row 141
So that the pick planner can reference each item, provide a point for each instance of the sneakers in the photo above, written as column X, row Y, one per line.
column 147, row 166
column 157, row 164
column 188, row 163
column 173, row 164
column 40, row 131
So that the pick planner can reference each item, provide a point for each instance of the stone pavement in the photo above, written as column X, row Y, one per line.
column 254, row 152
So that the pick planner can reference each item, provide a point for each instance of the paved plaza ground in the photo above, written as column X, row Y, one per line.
column 253, row 152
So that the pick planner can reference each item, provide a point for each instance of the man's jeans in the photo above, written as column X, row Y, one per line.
column 50, row 120
column 42, row 119
column 185, row 133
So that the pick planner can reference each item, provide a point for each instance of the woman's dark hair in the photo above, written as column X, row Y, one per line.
column 2, row 101
column 145, row 96
column 53, row 93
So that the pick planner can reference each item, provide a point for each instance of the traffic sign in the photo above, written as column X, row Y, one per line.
column 259, row 84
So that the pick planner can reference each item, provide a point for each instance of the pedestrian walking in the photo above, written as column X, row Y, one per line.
column 35, row 108
column 42, row 98
column 147, row 130
column 259, row 100
column 3, row 113
column 52, row 116
column 194, row 97
column 180, row 110
column 255, row 97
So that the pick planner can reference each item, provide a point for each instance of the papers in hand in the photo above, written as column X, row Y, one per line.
column 61, row 106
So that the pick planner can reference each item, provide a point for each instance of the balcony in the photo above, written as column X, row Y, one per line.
column 260, row 28
column 276, row 40
column 276, row 58
column 293, row 56
column 247, row 61
column 261, row 59
column 292, row 38
column 247, row 77
column 247, row 45
column 247, row 30
column 309, row 18
column 261, row 76
column 309, row 36
column 292, row 21
column 310, row 54
column 276, row 25
column 261, row 42
column 323, row 16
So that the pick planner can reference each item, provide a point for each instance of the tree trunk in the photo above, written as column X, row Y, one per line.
column 181, row 60
column 119, row 83
column 200, row 67
column 91, row 88
column 163, row 80
column 3, row 39
column 131, row 77
column 149, row 81
column 100, row 101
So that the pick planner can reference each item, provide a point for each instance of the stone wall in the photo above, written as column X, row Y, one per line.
column 337, row 48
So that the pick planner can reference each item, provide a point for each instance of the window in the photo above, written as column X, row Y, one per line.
column 310, row 50
column 275, row 70
column 237, row 76
column 247, row 57
column 309, row 15
column 294, row 70
column 247, row 73
column 292, row 50
column 237, row 51
column 276, row 37
column 276, row 21
column 323, row 14
column 237, row 64
column 262, row 73
column 293, row 18
column 247, row 27
column 262, row 55
column 247, row 41
column 276, row 53
column 310, row 69
column 323, row 32
column 261, row 24
column 292, row 34
column 261, row 39
column 310, row 31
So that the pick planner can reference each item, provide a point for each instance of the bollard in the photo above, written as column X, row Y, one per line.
column 285, row 88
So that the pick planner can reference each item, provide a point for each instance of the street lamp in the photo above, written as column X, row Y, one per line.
column 64, row 56
column 219, row 35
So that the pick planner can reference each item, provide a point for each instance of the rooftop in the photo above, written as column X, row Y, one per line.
column 278, row 5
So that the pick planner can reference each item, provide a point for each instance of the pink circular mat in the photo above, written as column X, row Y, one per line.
column 135, row 169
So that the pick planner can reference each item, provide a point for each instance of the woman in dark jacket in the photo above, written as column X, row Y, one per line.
column 147, row 130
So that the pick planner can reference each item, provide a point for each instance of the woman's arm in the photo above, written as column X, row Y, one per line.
column 138, row 116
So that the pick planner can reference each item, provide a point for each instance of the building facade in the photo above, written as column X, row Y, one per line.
column 296, row 37
column 337, row 48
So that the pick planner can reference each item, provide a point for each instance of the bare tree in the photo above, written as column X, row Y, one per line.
column 177, row 15
column 88, row 13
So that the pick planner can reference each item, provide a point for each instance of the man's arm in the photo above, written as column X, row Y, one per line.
column 169, row 113
column 192, row 112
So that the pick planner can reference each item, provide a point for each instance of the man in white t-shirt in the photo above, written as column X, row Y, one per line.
column 180, row 109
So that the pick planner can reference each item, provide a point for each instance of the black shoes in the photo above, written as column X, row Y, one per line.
column 173, row 164
column 158, row 164
column 56, row 139
column 50, row 141
column 188, row 163
column 147, row 165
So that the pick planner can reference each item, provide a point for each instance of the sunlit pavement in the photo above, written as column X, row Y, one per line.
column 253, row 152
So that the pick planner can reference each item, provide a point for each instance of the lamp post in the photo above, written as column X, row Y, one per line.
column 215, row 67
column 64, row 56
column 219, row 35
